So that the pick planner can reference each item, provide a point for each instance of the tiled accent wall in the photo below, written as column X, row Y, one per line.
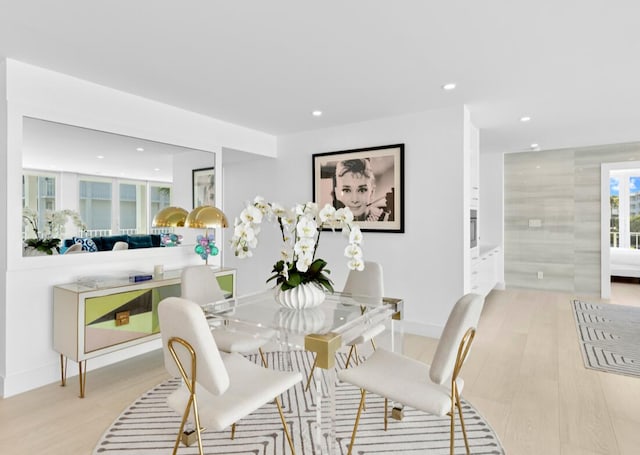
column 561, row 188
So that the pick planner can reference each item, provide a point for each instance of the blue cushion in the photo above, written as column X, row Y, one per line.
column 139, row 241
column 87, row 244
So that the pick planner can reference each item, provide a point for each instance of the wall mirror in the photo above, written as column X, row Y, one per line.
column 89, row 184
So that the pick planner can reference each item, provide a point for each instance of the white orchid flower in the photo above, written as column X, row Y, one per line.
column 356, row 264
column 353, row 251
column 355, row 235
column 327, row 214
column 304, row 246
column 244, row 231
column 344, row 215
column 306, row 227
column 285, row 255
column 251, row 214
column 311, row 208
column 303, row 263
column 278, row 210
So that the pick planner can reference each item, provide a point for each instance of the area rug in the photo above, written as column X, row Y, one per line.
column 609, row 336
column 149, row 427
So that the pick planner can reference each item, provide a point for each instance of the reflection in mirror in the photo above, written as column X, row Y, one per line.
column 97, row 188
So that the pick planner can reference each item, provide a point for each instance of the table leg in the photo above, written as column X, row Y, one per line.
column 325, row 347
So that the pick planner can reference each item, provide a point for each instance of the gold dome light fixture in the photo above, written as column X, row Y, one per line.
column 170, row 217
column 206, row 217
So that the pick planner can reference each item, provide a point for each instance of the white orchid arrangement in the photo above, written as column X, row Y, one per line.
column 53, row 227
column 300, row 228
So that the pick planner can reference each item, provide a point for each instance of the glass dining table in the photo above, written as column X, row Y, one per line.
column 323, row 330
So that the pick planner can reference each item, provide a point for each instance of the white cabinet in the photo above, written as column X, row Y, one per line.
column 485, row 270
column 92, row 319
column 474, row 166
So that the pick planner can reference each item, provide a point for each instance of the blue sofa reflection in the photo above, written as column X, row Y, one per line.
column 93, row 244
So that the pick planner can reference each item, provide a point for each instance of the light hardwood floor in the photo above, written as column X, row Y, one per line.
column 525, row 375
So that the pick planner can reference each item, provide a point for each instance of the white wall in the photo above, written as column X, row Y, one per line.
column 425, row 264
column 26, row 303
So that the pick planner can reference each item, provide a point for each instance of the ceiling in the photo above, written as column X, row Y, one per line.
column 51, row 146
column 572, row 66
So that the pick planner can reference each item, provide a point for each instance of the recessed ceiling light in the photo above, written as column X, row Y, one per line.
column 140, row 149
column 535, row 146
column 156, row 168
column 525, row 119
column 100, row 157
column 316, row 113
column 449, row 86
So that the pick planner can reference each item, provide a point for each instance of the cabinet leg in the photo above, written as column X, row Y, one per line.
column 63, row 370
column 82, row 376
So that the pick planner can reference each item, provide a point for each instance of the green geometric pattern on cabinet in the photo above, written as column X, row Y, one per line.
column 96, row 308
column 226, row 284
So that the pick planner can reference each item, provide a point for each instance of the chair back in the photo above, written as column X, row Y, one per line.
column 368, row 282
column 180, row 318
column 200, row 285
column 120, row 246
column 464, row 315
column 75, row 248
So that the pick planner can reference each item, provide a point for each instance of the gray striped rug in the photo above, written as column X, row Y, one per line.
column 149, row 427
column 609, row 336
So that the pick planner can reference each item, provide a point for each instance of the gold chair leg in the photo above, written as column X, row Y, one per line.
column 373, row 344
column 284, row 425
column 452, row 413
column 184, row 420
column 355, row 426
column 355, row 355
column 315, row 362
column 385, row 413
column 464, row 430
column 196, row 417
column 349, row 358
column 264, row 360
column 233, row 431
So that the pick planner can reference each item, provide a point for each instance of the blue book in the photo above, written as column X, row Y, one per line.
column 140, row 277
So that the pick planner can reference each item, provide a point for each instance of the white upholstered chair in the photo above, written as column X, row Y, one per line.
column 217, row 389
column 434, row 389
column 75, row 248
column 200, row 285
column 366, row 286
column 118, row 246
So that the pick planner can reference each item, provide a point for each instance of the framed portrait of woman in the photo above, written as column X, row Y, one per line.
column 370, row 181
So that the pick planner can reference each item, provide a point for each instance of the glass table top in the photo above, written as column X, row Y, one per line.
column 342, row 314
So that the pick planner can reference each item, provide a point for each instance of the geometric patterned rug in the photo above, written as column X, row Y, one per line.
column 609, row 336
column 149, row 427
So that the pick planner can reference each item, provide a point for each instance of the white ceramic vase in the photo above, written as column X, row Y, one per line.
column 310, row 320
column 306, row 295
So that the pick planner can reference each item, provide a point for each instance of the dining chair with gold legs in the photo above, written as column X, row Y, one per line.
column 215, row 392
column 434, row 389
column 200, row 285
column 366, row 286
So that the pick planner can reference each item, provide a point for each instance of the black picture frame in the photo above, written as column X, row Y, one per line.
column 203, row 183
column 372, row 182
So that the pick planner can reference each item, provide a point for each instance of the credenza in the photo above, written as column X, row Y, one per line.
column 100, row 315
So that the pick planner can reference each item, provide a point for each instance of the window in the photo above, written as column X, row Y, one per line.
column 39, row 194
column 111, row 206
column 95, row 207
column 624, row 196
column 133, row 208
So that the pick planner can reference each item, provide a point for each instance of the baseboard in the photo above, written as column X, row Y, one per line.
column 49, row 373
